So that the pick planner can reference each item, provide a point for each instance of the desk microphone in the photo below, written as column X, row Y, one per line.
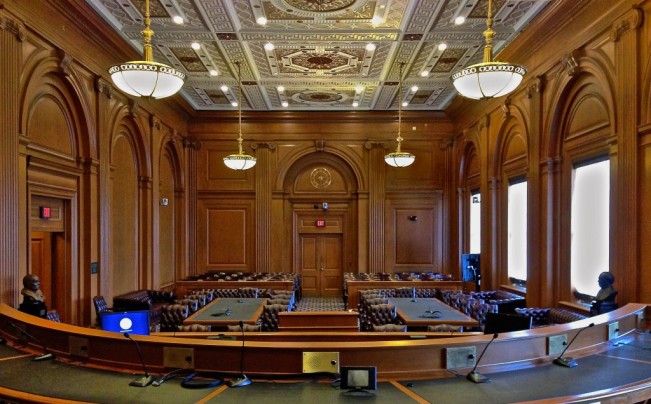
column 475, row 376
column 147, row 378
column 570, row 362
column 242, row 380
column 46, row 355
column 413, row 295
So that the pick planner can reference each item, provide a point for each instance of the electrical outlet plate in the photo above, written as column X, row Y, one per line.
column 180, row 358
column 462, row 357
column 613, row 330
column 78, row 346
column 556, row 344
column 320, row 362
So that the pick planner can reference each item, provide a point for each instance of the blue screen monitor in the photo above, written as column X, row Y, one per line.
column 132, row 322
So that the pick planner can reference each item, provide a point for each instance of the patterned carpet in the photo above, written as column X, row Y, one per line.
column 316, row 303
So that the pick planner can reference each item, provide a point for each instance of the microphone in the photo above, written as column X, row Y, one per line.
column 147, row 378
column 569, row 362
column 242, row 380
column 46, row 355
column 475, row 376
column 413, row 295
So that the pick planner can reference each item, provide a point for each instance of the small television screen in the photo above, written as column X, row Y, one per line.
column 358, row 380
column 469, row 267
column 132, row 322
column 502, row 322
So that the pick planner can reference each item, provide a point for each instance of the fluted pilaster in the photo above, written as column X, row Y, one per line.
column 377, row 179
column 263, row 207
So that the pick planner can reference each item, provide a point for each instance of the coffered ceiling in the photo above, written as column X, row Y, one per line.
column 320, row 59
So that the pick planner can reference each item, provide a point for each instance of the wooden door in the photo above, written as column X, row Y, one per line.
column 48, row 262
column 42, row 262
column 321, row 264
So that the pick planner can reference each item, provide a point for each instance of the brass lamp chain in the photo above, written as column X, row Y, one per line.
column 399, row 139
column 489, row 34
column 147, row 33
column 239, row 105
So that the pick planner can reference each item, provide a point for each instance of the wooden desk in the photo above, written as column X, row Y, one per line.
column 415, row 314
column 353, row 287
column 333, row 321
column 247, row 310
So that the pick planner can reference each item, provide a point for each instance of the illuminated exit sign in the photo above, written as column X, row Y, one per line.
column 319, row 223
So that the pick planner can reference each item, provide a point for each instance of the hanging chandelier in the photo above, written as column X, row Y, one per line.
column 146, row 78
column 490, row 78
column 239, row 161
column 399, row 158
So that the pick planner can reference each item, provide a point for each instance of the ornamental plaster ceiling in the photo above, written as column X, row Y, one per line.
column 319, row 56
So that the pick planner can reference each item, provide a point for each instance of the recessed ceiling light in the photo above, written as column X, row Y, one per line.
column 404, row 104
column 196, row 45
column 280, row 89
column 269, row 46
column 285, row 104
column 460, row 20
column 213, row 72
column 234, row 103
column 414, row 89
column 370, row 47
column 359, row 89
column 424, row 73
column 177, row 19
column 443, row 46
column 376, row 20
column 261, row 20
column 224, row 88
column 355, row 104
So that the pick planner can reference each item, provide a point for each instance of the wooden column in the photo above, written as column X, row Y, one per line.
column 625, row 263
column 12, row 33
column 377, row 177
column 263, row 208
column 550, row 252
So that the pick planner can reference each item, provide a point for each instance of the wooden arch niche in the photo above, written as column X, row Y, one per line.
column 320, row 197
column 170, row 214
column 469, row 184
column 585, row 131
column 56, row 142
column 125, row 251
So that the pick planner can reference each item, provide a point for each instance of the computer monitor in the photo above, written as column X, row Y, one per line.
column 358, row 380
column 132, row 322
column 501, row 322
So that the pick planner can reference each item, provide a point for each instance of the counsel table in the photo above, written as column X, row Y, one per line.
column 418, row 313
column 247, row 310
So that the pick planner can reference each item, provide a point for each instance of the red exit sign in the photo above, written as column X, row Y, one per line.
column 319, row 223
column 45, row 212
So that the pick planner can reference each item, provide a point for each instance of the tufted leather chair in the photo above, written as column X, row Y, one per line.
column 541, row 317
column 192, row 304
column 172, row 316
column 270, row 316
column 507, row 302
column 200, row 298
column 248, row 293
column 226, row 292
column 404, row 292
column 444, row 328
column 194, row 328
column 100, row 307
column 479, row 311
column 53, row 315
column 390, row 328
column 383, row 314
column 365, row 310
column 247, row 328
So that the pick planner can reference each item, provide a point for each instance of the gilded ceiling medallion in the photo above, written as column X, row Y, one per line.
column 320, row 5
column 320, row 178
column 319, row 96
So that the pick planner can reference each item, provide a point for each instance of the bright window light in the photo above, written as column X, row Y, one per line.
column 517, row 231
column 475, row 223
column 590, row 230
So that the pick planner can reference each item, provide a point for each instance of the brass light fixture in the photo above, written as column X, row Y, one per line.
column 399, row 158
column 239, row 161
column 146, row 78
column 490, row 78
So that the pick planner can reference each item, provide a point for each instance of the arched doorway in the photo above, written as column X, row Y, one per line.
column 320, row 193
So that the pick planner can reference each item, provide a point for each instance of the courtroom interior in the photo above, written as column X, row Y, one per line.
column 322, row 200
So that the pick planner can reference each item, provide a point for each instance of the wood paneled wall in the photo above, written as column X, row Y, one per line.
column 110, row 160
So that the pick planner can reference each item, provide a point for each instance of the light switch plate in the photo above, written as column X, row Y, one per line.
column 462, row 357
column 78, row 346
column 613, row 330
column 556, row 344
column 182, row 358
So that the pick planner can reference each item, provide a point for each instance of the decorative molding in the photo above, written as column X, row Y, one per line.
column 629, row 22
column 9, row 24
column 133, row 108
column 190, row 143
column 320, row 145
column 65, row 60
column 103, row 87
column 537, row 86
column 154, row 122
column 506, row 108
column 570, row 63
column 145, row 182
column 484, row 123
column 446, row 143
column 263, row 145
column 376, row 144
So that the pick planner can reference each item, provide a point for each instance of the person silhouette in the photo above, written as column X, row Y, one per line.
column 33, row 298
column 605, row 298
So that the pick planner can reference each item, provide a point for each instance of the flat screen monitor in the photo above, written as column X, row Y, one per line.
column 502, row 322
column 132, row 322
column 470, row 268
column 358, row 380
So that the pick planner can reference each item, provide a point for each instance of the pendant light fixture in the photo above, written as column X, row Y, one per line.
column 399, row 158
column 488, row 79
column 239, row 161
column 146, row 78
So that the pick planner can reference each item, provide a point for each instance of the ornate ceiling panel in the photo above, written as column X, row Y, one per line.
column 319, row 59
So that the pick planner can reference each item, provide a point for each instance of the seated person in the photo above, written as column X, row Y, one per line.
column 605, row 299
column 33, row 298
